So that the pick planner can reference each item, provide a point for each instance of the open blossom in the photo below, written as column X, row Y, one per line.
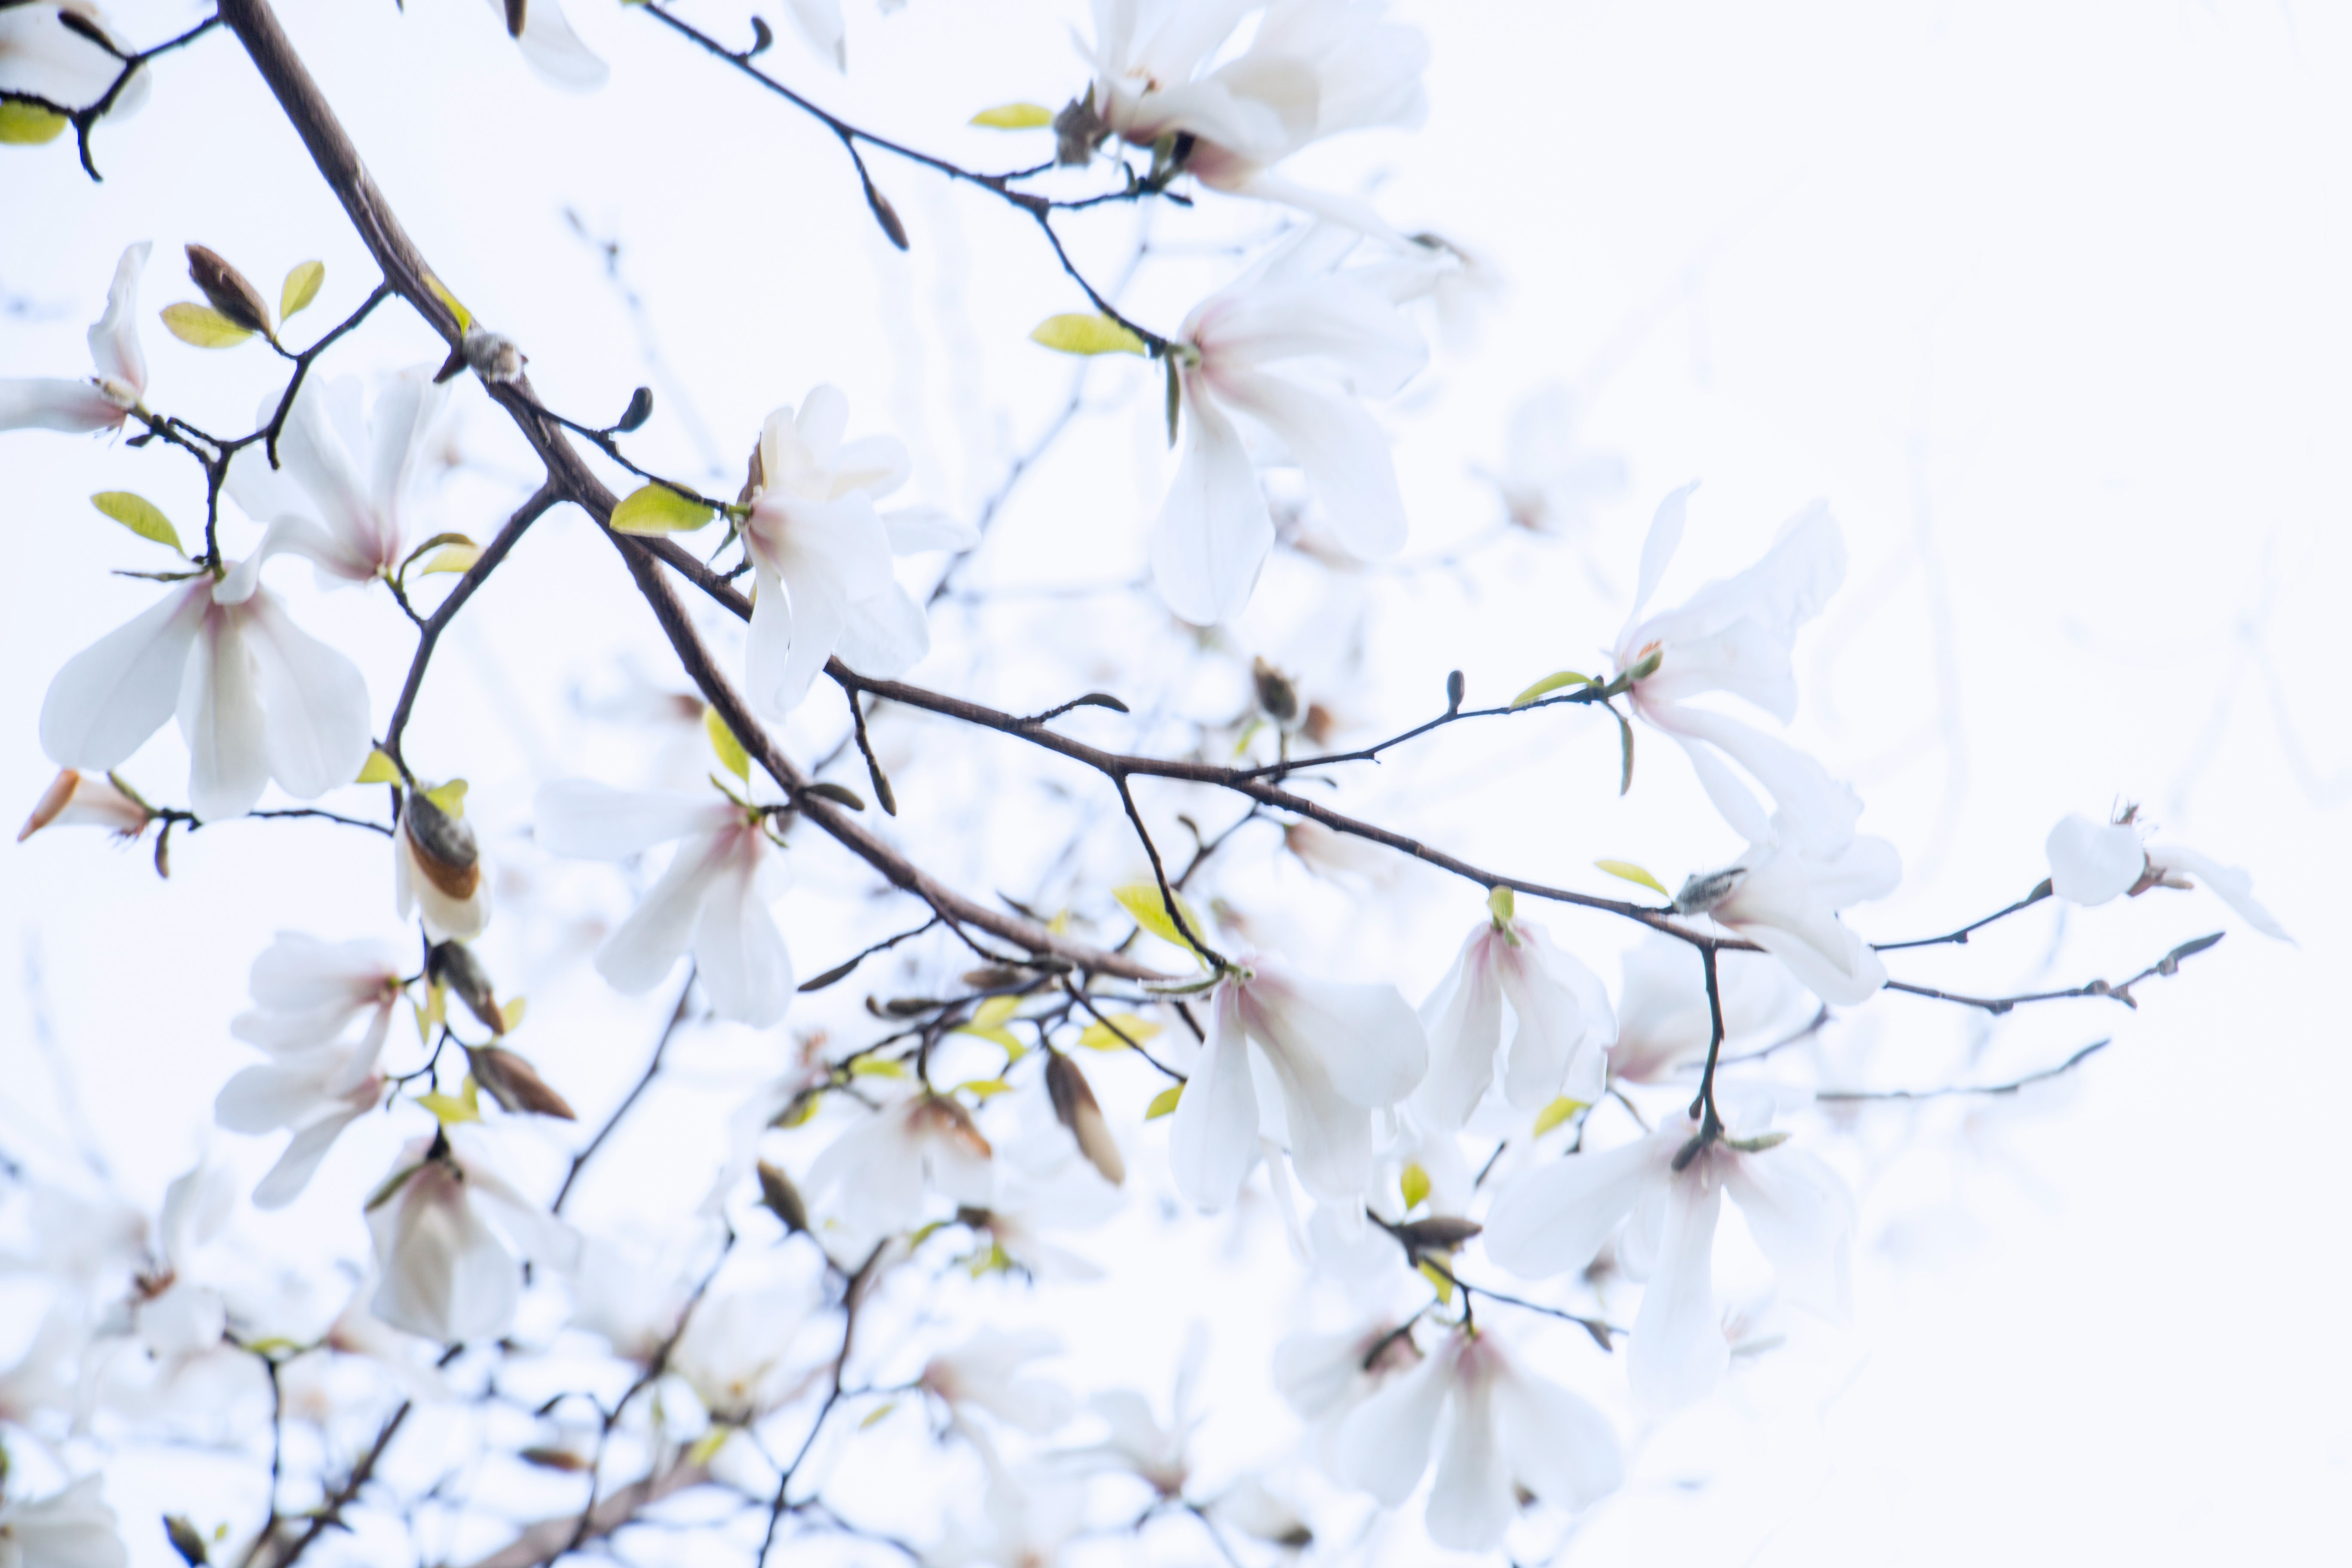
column 1561, row 1024
column 1550, row 481
column 1288, row 346
column 306, row 994
column 1663, row 1018
column 68, row 1529
column 1555, row 1218
column 1505, row 1430
column 821, row 552
column 1324, row 1377
column 175, row 1313
column 2090, row 863
column 1735, row 635
column 1313, row 68
column 104, row 401
column 737, row 1352
column 84, row 800
column 338, row 497
column 878, row 1173
column 1786, row 900
column 712, row 898
column 549, row 45
column 1028, row 1521
column 1335, row 1053
column 443, row 1228
column 257, row 697
column 987, row 1371
column 45, row 59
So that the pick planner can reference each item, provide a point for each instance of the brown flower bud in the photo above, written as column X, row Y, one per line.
column 1075, row 1108
column 515, row 1084
column 443, row 847
column 187, row 1540
column 517, row 15
column 1275, row 696
column 229, row 291
column 75, row 797
column 783, row 1198
column 943, row 1117
column 1439, row 1233
column 453, row 964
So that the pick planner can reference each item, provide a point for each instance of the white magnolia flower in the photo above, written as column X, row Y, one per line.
column 1026, row 1521
column 712, row 898
column 2090, row 863
column 821, row 553
column 1735, row 635
column 106, row 400
column 1786, row 901
column 1550, row 481
column 1043, row 1184
column 43, row 58
column 1325, row 1055
column 338, row 499
column 632, row 1287
column 1663, row 1020
column 1324, row 1377
column 737, row 1352
column 307, row 991
column 85, row 800
column 1313, row 68
column 1505, row 1430
column 443, row 1230
column 549, row 46
column 878, row 1173
column 985, row 1373
column 1554, row 1219
column 1561, row 1024
column 1136, row 1441
column 257, row 697
column 68, row 1529
column 174, row 1313
column 1288, row 346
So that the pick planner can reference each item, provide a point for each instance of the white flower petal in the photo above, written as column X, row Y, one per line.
column 1463, row 1021
column 318, row 731
column 1366, row 1038
column 584, row 820
column 114, row 341
column 1342, row 450
column 1213, row 1137
column 303, row 1154
column 1470, row 1502
column 885, row 636
column 916, row 528
column 640, row 954
column 1554, row 1218
column 1384, row 1444
column 1803, row 1220
column 1561, row 1448
column 1679, row 1353
column 2234, row 886
column 48, row 403
column 443, row 1272
column 554, row 50
column 2092, row 862
column 111, row 696
column 1562, row 1021
column 221, row 720
column 739, row 954
column 1214, row 531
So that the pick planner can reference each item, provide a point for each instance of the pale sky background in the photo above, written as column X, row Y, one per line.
column 2048, row 303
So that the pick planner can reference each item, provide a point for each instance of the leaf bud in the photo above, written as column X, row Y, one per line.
column 515, row 1084
column 1075, row 1108
column 1438, row 1234
column 782, row 1199
column 640, row 409
column 1277, row 697
column 1079, row 130
column 187, row 1540
column 1455, row 688
column 229, row 291
column 840, row 794
column 442, row 846
column 492, row 357
column 886, row 215
column 1702, row 892
column 453, row 964
column 518, row 13
column 764, row 37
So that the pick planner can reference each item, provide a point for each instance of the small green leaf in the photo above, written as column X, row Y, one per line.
column 1633, row 873
column 441, row 292
column 464, row 1106
column 1084, row 334
column 1438, row 1281
column 876, row 1415
column 995, row 1035
column 451, row 558
column 202, row 326
column 139, row 515
column 1142, row 901
column 994, row 1011
column 1014, row 117
column 982, row 1088
column 1104, row 1036
column 1549, row 684
column 430, row 1017
column 1163, row 1102
column 378, row 769
column 511, row 1013
column 875, row 1066
column 1503, row 904
column 1413, row 1183
column 451, row 797
column 657, row 509
column 301, row 287
column 28, row 124
column 1552, row 1115
column 706, row 1447
column 731, row 754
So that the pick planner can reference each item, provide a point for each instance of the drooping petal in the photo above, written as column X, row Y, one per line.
column 1463, row 1021
column 589, row 821
column 1562, row 1023
column 1559, row 1448
column 1803, row 1220
column 554, row 50
column 49, row 404
column 111, row 696
column 1214, row 531
column 1819, row 811
column 739, row 954
column 1366, row 1038
column 315, row 702
column 271, row 1095
column 885, row 636
column 819, row 615
column 1213, row 1137
column 640, row 953
column 2234, row 886
column 1658, row 548
column 1341, row 449
column 443, row 1274
column 406, row 411
column 221, row 720
column 1679, row 1353
column 1384, row 1444
column 2091, row 862
column 1554, row 1218
column 1470, row 1502
column 304, row 1153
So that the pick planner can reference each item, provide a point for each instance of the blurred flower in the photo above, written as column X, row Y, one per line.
column 338, row 499
column 104, row 401
column 446, row 1271
column 1561, row 1024
column 1555, row 1218
column 1549, row 480
column 1336, row 1053
column 1324, row 1377
column 1335, row 334
column 1663, row 1018
column 1506, row 1431
column 75, row 800
column 68, row 1529
column 2091, row 864
column 984, row 1373
column 43, row 58
column 1785, row 901
column 878, row 1171
column 1026, row 1521
column 1136, row 1442
column 713, row 897
column 633, row 1287
column 174, row 1313
column 549, row 45
column 736, row 1351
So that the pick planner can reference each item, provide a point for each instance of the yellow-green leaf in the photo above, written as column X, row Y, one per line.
column 876, row 1415
column 139, row 515
column 994, row 1011
column 451, row 558
column 1014, row 117
column 657, row 509
column 1549, row 684
column 982, row 1088
column 511, row 1013
column 1438, row 1281
column 430, row 1015
column 378, row 769
column 1163, row 1102
column 1633, row 873
column 441, row 292
column 1552, row 1115
column 1087, row 335
column 706, row 1447
column 1414, row 1183
column 202, row 326
column 731, row 754
column 451, row 797
column 1142, row 901
column 301, row 287
column 875, row 1066
column 1502, row 903
column 798, row 1114
column 1104, row 1036
column 28, row 124
column 995, row 1035
column 464, row 1106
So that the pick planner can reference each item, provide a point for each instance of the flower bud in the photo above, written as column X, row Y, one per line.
column 939, row 1116
column 1275, row 696
column 229, row 291
column 493, row 358
column 453, row 964
column 1702, row 892
column 443, row 847
column 515, row 1084
column 1439, row 1233
column 1075, row 1108
column 77, row 799
column 186, row 1539
column 1079, row 130
column 518, row 13
column 783, row 1198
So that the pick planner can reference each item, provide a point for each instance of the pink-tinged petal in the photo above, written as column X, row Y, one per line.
column 1365, row 1038
column 739, row 954
column 648, row 944
column 221, row 720
column 111, row 696
column 1213, row 1137
column 1679, row 1353
column 47, row 404
column 584, row 820
column 2091, row 862
column 885, row 636
column 1803, row 1220
column 1341, row 449
column 1554, row 1218
column 1214, row 531
column 1561, row 1448
column 2234, row 886
column 1330, row 1139
column 1463, row 1021
column 1384, row 1444
column 1470, row 1502
column 114, row 341
column 304, row 1153
column 318, row 731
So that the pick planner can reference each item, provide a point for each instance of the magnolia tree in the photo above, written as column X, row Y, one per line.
column 1054, row 1007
